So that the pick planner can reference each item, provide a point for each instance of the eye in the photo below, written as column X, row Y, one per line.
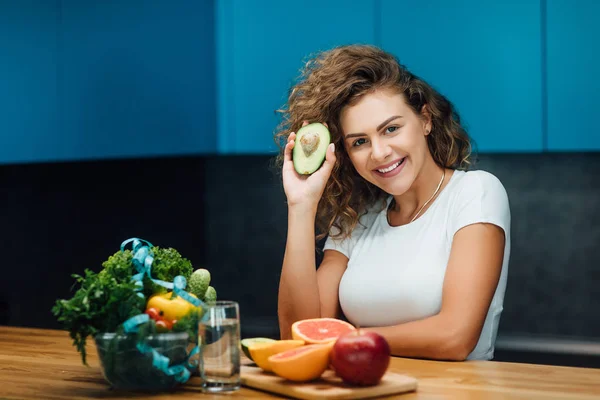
column 391, row 129
column 359, row 142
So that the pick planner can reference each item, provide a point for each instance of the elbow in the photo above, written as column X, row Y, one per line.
column 458, row 346
column 457, row 343
column 457, row 353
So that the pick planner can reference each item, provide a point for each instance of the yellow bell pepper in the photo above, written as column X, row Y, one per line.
column 170, row 310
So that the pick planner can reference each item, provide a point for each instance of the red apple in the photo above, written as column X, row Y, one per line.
column 360, row 357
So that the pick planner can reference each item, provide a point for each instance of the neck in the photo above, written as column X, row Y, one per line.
column 408, row 204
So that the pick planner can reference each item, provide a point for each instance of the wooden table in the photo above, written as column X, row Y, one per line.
column 43, row 364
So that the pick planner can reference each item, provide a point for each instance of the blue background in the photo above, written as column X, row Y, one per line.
column 87, row 80
column 100, row 80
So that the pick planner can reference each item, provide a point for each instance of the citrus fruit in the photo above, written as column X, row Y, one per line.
column 251, row 341
column 261, row 352
column 320, row 330
column 302, row 364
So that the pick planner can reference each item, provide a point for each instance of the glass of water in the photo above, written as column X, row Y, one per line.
column 219, row 339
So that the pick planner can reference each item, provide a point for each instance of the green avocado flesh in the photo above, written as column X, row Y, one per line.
column 310, row 148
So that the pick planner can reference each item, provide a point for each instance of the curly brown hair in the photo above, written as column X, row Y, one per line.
column 339, row 77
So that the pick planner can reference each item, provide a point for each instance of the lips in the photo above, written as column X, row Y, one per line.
column 390, row 169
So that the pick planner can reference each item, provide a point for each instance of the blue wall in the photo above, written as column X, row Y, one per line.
column 521, row 73
column 29, row 109
column 262, row 45
column 573, row 96
column 485, row 56
column 86, row 80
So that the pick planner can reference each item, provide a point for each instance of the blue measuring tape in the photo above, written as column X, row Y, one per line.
column 142, row 260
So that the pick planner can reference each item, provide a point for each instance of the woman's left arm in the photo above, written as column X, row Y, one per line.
column 471, row 278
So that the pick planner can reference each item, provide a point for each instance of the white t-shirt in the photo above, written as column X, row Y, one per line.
column 396, row 274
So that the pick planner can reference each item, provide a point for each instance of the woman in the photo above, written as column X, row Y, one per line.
column 417, row 247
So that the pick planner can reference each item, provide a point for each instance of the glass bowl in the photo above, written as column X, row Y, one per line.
column 125, row 367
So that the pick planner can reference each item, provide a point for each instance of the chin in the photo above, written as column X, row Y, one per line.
column 397, row 186
column 398, row 191
column 393, row 190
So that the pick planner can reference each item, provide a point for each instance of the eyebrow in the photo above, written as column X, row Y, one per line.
column 379, row 127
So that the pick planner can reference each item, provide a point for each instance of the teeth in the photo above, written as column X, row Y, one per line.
column 390, row 168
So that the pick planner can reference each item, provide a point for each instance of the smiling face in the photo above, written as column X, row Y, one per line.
column 386, row 140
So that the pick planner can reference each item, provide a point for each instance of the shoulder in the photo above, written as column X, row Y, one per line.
column 365, row 221
column 479, row 196
column 479, row 179
column 482, row 184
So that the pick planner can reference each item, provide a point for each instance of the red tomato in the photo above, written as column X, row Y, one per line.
column 163, row 325
column 153, row 313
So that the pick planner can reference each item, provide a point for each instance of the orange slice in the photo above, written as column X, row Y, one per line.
column 261, row 352
column 302, row 364
column 320, row 330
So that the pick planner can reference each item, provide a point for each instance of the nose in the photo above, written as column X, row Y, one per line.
column 380, row 150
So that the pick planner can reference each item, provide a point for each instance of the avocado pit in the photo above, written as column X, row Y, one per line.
column 309, row 143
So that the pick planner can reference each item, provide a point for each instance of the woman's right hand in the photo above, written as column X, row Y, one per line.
column 305, row 190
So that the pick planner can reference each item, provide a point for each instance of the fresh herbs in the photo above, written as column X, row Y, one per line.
column 167, row 264
column 101, row 304
column 104, row 300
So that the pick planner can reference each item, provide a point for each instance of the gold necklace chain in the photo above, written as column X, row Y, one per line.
column 427, row 202
column 432, row 196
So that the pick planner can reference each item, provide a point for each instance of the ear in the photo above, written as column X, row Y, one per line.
column 426, row 117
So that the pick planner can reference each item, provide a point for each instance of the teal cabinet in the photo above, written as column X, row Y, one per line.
column 573, row 34
column 88, row 80
column 485, row 56
column 92, row 80
column 28, row 85
column 138, row 78
column 261, row 46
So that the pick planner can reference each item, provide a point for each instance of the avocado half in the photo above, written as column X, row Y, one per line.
column 310, row 148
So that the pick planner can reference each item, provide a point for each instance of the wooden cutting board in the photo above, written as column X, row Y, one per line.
column 327, row 387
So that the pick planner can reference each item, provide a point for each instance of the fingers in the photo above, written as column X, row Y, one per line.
column 330, row 154
column 287, row 153
column 330, row 160
column 306, row 123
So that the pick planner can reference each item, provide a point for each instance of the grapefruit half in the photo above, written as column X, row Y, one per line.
column 261, row 352
column 302, row 364
column 320, row 330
